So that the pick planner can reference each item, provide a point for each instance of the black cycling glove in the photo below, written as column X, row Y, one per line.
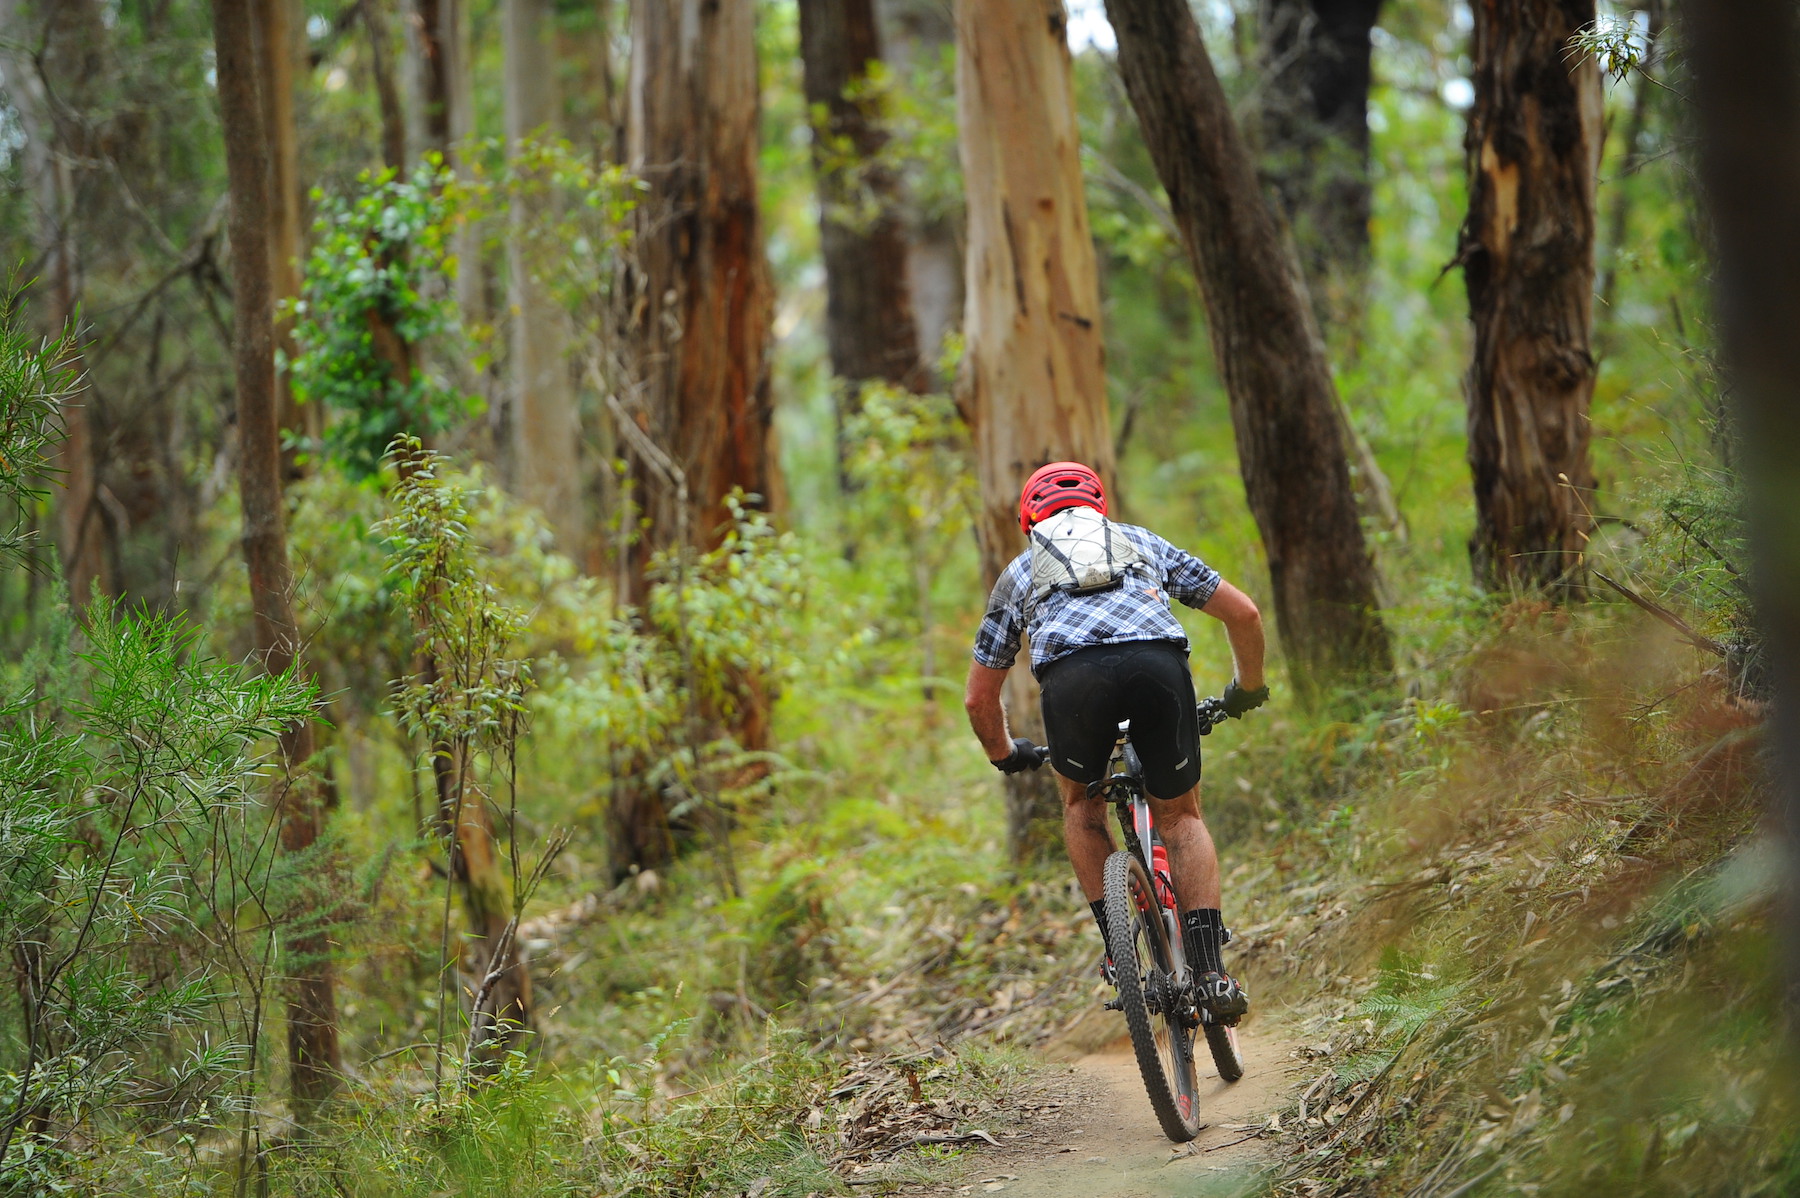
column 1239, row 702
column 1024, row 756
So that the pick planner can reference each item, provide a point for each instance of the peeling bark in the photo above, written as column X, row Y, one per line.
column 1033, row 381
column 1527, row 252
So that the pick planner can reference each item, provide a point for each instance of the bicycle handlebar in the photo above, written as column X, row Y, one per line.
column 1212, row 713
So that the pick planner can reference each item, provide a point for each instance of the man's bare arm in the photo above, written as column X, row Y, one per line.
column 981, row 698
column 1243, row 628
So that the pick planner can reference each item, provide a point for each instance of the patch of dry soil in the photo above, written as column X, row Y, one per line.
column 1108, row 1144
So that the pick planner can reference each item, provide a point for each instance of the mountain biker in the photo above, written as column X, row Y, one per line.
column 1111, row 651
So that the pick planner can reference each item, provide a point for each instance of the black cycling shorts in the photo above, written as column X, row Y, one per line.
column 1088, row 692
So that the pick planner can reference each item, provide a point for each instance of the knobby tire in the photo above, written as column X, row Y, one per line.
column 1167, row 1065
column 1223, row 1042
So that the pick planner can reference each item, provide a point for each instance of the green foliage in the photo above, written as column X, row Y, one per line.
column 709, row 623
column 139, row 891
column 604, row 1128
column 375, row 294
column 473, row 694
column 36, row 379
column 561, row 211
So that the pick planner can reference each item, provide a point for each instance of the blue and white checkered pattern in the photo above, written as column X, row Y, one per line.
column 1138, row 610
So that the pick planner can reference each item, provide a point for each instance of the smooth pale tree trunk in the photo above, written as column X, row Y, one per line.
column 1033, row 382
column 276, row 23
column 1315, row 142
column 311, row 1005
column 913, row 33
column 868, row 311
column 1745, row 63
column 1527, row 253
column 546, row 433
column 696, row 305
column 1284, row 406
column 70, row 36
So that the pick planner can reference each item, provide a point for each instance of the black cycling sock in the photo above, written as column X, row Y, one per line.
column 1204, row 931
column 1098, row 907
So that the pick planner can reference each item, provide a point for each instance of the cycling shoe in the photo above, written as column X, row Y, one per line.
column 1220, row 994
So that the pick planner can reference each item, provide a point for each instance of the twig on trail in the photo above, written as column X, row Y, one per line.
column 1258, row 1134
column 937, row 1137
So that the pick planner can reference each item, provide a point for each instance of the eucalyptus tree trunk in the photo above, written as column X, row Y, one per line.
column 71, row 38
column 276, row 24
column 1033, row 381
column 1745, row 61
column 1527, row 252
column 694, row 410
column 868, row 312
column 698, row 296
column 311, row 1005
column 546, row 432
column 1284, row 406
column 1315, row 141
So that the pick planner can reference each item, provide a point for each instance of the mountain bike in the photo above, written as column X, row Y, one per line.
column 1144, row 934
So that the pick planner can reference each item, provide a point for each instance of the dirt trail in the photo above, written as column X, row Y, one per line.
column 1111, row 1147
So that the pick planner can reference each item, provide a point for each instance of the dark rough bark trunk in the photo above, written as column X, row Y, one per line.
column 311, row 1005
column 1284, row 408
column 696, row 300
column 1315, row 131
column 868, row 311
column 698, row 293
column 1527, row 253
column 1745, row 59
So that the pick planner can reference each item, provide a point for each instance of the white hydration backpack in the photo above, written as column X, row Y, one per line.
column 1079, row 551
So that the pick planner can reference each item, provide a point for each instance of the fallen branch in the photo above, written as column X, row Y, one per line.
column 1697, row 639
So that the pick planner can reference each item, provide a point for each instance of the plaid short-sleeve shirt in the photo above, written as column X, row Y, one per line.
column 1138, row 610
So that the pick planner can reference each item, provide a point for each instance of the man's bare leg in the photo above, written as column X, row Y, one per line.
column 1087, row 837
column 1193, row 861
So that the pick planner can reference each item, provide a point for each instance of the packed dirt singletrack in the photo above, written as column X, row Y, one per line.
column 1109, row 1145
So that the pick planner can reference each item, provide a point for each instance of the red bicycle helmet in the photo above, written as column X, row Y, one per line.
column 1059, row 485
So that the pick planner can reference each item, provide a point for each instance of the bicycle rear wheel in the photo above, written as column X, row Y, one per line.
column 1140, row 951
column 1222, row 1041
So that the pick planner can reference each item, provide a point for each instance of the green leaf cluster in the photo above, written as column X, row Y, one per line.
column 375, row 292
